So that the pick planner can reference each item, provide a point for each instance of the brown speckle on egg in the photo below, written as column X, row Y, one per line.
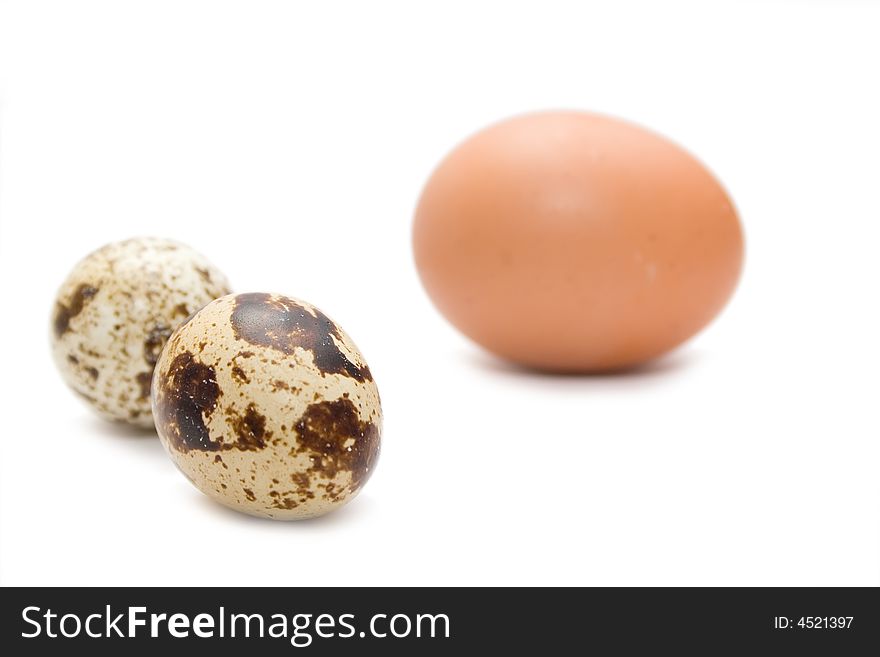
column 283, row 324
column 64, row 312
column 156, row 338
column 250, row 429
column 143, row 380
column 336, row 439
column 187, row 396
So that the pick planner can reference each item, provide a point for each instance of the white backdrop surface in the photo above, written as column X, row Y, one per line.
column 289, row 142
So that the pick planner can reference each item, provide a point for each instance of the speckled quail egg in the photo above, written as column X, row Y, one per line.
column 268, row 407
column 114, row 313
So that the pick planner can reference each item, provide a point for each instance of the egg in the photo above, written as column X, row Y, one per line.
column 268, row 407
column 113, row 314
column 575, row 242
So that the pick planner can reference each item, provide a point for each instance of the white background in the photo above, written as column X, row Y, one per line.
column 288, row 141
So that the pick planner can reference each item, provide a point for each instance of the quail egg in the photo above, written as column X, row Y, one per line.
column 268, row 407
column 114, row 313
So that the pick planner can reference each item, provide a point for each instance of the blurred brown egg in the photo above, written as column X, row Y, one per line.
column 571, row 241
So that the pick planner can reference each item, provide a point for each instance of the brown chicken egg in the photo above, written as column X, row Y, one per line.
column 570, row 241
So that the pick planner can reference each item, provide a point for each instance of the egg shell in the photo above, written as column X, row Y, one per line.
column 571, row 241
column 268, row 407
column 113, row 314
